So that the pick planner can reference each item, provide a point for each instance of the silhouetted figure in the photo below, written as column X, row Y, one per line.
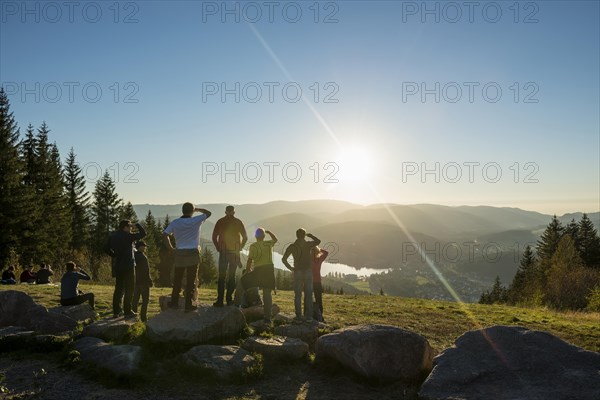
column 44, row 274
column 301, row 251
column 8, row 276
column 143, row 281
column 120, row 246
column 69, row 293
column 229, row 237
column 27, row 276
column 186, row 230
column 263, row 274
column 319, row 255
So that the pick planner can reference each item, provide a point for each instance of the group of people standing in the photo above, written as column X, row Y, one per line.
column 132, row 273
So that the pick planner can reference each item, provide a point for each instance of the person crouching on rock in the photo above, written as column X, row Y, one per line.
column 263, row 274
column 69, row 294
column 143, row 281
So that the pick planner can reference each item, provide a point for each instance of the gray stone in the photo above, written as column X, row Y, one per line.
column 121, row 360
column 260, row 326
column 203, row 325
column 80, row 312
column 277, row 347
column 510, row 362
column 307, row 331
column 18, row 309
column 378, row 352
column 283, row 318
column 110, row 329
column 256, row 313
column 224, row 362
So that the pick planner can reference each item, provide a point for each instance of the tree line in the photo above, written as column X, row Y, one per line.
column 47, row 214
column 561, row 272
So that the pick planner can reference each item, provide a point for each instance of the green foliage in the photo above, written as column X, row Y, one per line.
column 208, row 267
column 594, row 300
column 589, row 243
column 256, row 370
column 78, row 202
column 106, row 209
column 498, row 294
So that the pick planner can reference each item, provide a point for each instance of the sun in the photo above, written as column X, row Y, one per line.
column 355, row 164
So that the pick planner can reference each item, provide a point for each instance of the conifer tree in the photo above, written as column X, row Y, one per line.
column 589, row 243
column 572, row 229
column 127, row 212
column 106, row 208
column 208, row 268
column 78, row 200
column 12, row 199
column 548, row 242
column 525, row 281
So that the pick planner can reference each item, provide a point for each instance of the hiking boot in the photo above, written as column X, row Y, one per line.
column 117, row 315
column 190, row 308
column 230, row 303
column 172, row 305
column 218, row 304
column 130, row 314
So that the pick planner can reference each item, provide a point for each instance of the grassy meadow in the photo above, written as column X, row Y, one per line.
column 440, row 322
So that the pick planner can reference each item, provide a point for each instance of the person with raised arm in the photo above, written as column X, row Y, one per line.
column 260, row 271
column 69, row 293
column 301, row 251
column 186, row 231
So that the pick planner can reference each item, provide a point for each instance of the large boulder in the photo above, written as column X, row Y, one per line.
column 256, row 313
column 224, row 362
column 378, row 352
column 510, row 362
column 110, row 329
column 307, row 332
column 18, row 309
column 277, row 347
column 81, row 312
column 200, row 326
column 121, row 360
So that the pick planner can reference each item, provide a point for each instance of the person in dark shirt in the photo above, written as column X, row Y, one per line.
column 319, row 255
column 301, row 250
column 27, row 276
column 44, row 274
column 143, row 281
column 8, row 276
column 69, row 294
column 229, row 237
column 120, row 247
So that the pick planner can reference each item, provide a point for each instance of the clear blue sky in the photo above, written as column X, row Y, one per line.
column 378, row 135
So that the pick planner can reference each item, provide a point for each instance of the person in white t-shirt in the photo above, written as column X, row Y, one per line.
column 186, row 231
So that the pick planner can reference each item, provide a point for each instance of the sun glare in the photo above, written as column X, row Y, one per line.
column 355, row 165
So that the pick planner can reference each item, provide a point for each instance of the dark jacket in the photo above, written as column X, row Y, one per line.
column 229, row 234
column 120, row 248
column 300, row 250
column 43, row 276
column 142, row 270
column 69, row 281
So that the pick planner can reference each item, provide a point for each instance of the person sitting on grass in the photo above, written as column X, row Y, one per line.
column 44, row 274
column 8, row 276
column 69, row 293
column 27, row 276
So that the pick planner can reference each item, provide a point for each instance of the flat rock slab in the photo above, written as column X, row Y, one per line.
column 378, row 352
column 121, row 360
column 307, row 332
column 510, row 362
column 203, row 325
column 80, row 313
column 224, row 362
column 277, row 347
column 18, row 309
column 283, row 318
column 110, row 329
column 256, row 313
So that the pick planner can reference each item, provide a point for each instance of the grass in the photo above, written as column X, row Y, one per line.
column 441, row 322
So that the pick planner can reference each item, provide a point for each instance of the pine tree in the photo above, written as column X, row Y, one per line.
column 105, row 212
column 127, row 212
column 572, row 229
column 151, row 240
column 12, row 196
column 30, row 235
column 548, row 242
column 589, row 243
column 208, row 267
column 78, row 200
column 525, row 280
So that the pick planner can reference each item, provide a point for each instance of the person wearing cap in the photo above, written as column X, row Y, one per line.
column 229, row 237
column 186, row 231
column 143, row 281
column 260, row 256
column 301, row 251
column 120, row 247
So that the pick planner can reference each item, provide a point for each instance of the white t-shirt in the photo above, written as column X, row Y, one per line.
column 186, row 231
